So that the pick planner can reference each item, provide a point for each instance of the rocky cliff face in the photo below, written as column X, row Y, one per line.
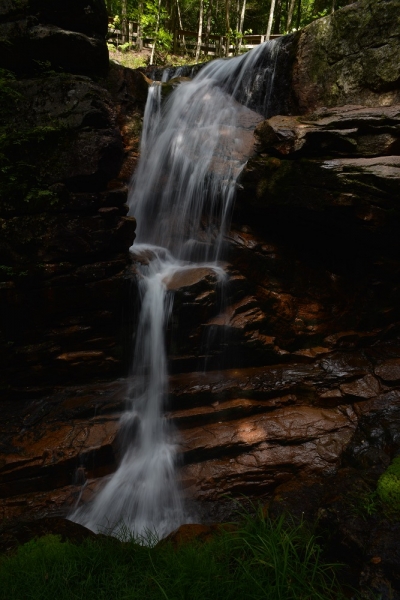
column 299, row 391
column 68, row 147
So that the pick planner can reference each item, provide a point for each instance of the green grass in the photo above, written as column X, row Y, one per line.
column 264, row 559
column 134, row 60
column 131, row 60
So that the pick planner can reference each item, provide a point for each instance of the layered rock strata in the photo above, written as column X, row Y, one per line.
column 241, row 431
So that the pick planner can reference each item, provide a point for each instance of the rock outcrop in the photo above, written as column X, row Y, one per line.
column 350, row 57
column 323, row 191
column 69, row 38
column 241, row 431
column 69, row 145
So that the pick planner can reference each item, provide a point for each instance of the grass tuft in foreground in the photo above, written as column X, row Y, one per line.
column 262, row 559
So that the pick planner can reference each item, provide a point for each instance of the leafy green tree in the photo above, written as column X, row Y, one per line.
column 159, row 18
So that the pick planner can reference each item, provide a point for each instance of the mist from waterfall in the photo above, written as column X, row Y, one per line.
column 182, row 196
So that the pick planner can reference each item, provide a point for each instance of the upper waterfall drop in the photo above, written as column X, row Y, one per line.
column 182, row 197
column 191, row 157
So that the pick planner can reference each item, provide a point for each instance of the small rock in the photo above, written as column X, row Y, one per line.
column 389, row 371
column 367, row 387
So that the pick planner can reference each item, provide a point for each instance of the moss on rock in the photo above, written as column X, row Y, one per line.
column 389, row 486
column 350, row 57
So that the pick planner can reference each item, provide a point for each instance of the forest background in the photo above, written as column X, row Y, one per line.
column 232, row 19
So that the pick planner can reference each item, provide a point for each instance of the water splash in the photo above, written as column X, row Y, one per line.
column 182, row 197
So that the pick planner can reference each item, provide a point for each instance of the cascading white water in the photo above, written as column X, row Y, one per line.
column 182, row 196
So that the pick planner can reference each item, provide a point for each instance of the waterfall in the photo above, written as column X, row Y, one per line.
column 182, row 196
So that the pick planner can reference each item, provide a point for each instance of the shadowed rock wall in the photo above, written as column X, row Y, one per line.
column 67, row 36
column 69, row 144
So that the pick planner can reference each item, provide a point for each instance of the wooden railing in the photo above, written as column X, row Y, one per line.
column 216, row 44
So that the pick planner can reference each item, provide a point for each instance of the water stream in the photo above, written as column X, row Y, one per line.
column 182, row 196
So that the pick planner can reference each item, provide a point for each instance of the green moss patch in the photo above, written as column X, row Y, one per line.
column 389, row 486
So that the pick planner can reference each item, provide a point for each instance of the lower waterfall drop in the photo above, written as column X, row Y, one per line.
column 182, row 197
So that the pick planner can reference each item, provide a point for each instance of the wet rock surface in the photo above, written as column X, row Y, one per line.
column 185, row 534
column 241, row 430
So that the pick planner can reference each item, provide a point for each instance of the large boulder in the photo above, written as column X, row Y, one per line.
column 84, row 16
column 350, row 57
column 38, row 34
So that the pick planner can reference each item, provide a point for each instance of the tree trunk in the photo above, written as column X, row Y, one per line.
column 298, row 14
column 236, row 38
column 178, row 10
column 237, row 14
column 333, row 6
column 239, row 25
column 227, row 25
column 290, row 15
column 208, row 26
column 271, row 17
column 155, row 33
column 173, row 27
column 242, row 14
column 124, row 24
column 277, row 20
column 170, row 8
column 200, row 30
column 139, row 34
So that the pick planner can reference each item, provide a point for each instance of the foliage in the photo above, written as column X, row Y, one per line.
column 159, row 20
column 364, row 501
column 369, row 503
column 8, row 94
column 124, row 47
column 382, row 500
column 389, row 486
column 262, row 559
column 256, row 15
column 7, row 272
